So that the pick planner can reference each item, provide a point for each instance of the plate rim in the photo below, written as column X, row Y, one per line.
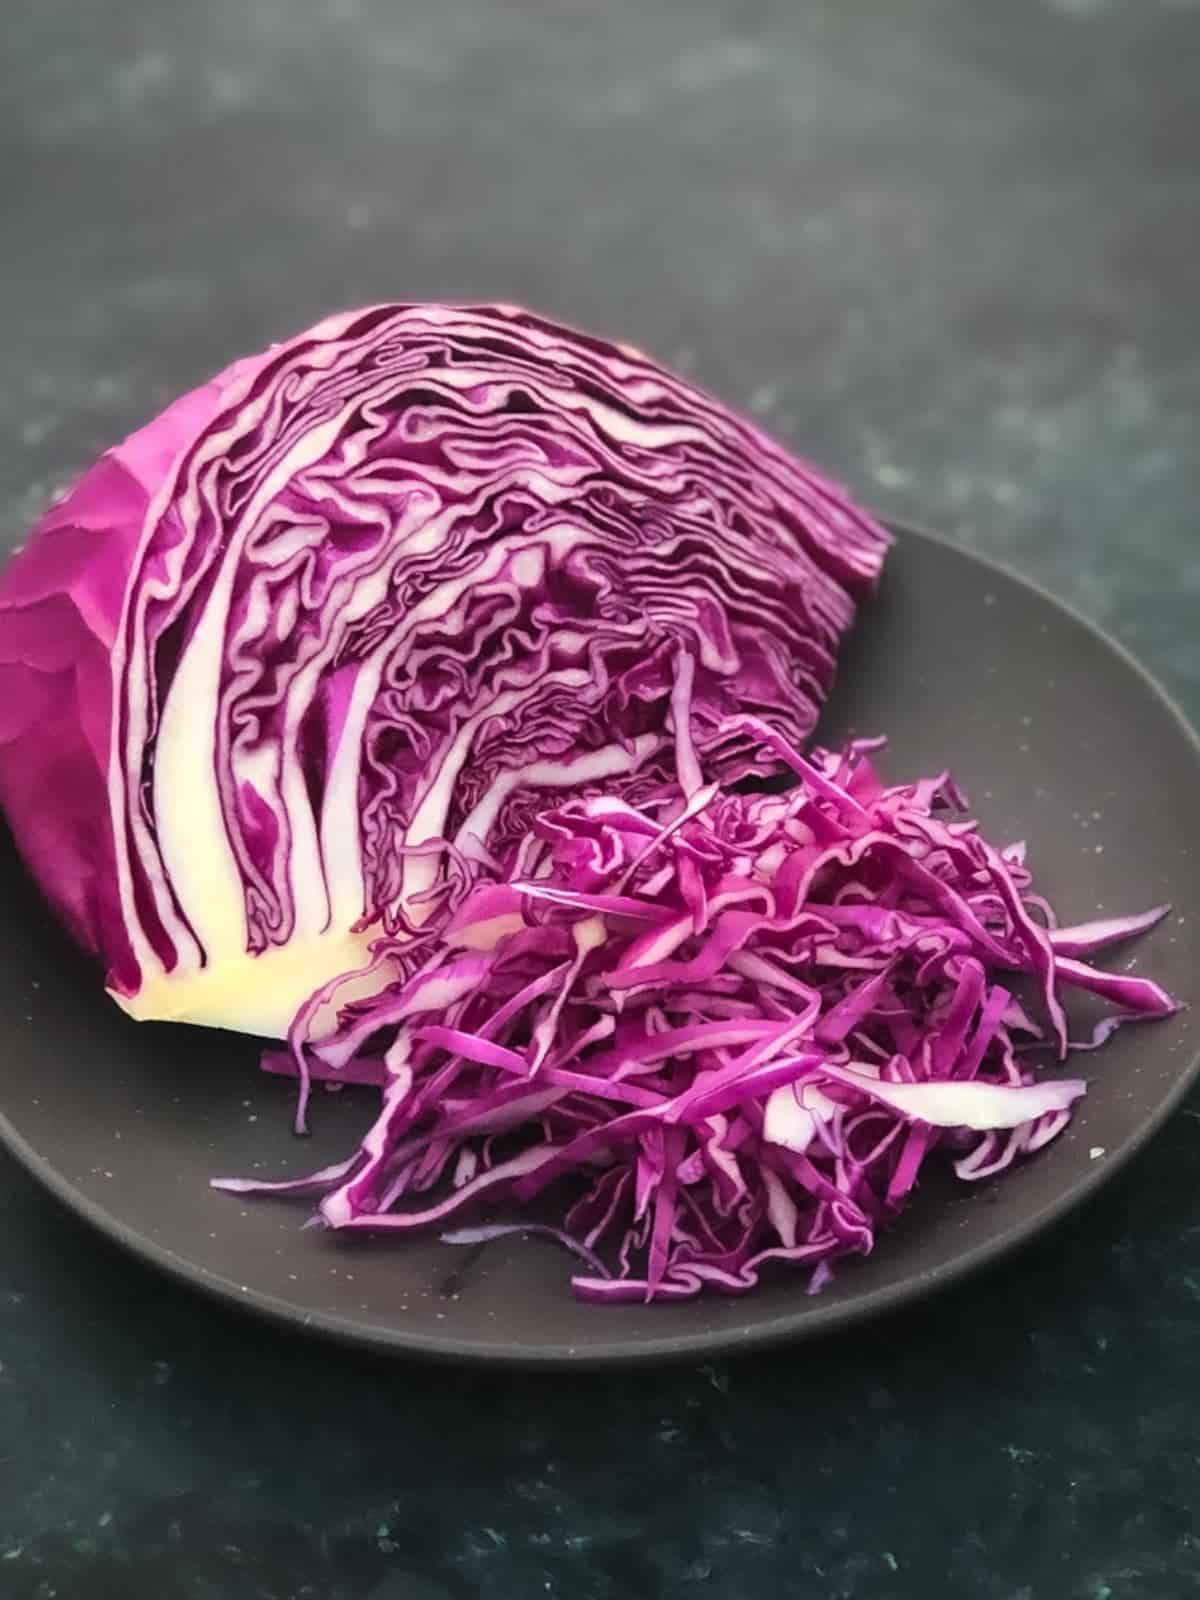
column 814, row 1322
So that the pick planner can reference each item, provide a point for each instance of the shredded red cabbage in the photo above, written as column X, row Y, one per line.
column 712, row 1030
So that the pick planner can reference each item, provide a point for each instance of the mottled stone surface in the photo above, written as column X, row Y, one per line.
column 950, row 250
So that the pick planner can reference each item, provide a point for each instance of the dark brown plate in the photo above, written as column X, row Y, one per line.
column 1059, row 737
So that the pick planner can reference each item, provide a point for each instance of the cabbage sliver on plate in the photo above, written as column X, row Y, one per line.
column 127, row 1123
column 283, row 660
column 724, row 1030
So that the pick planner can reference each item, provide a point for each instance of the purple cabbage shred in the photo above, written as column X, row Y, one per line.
column 713, row 1030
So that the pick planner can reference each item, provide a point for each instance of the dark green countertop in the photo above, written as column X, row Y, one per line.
column 950, row 251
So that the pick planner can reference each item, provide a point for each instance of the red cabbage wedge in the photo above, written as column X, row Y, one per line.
column 303, row 656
